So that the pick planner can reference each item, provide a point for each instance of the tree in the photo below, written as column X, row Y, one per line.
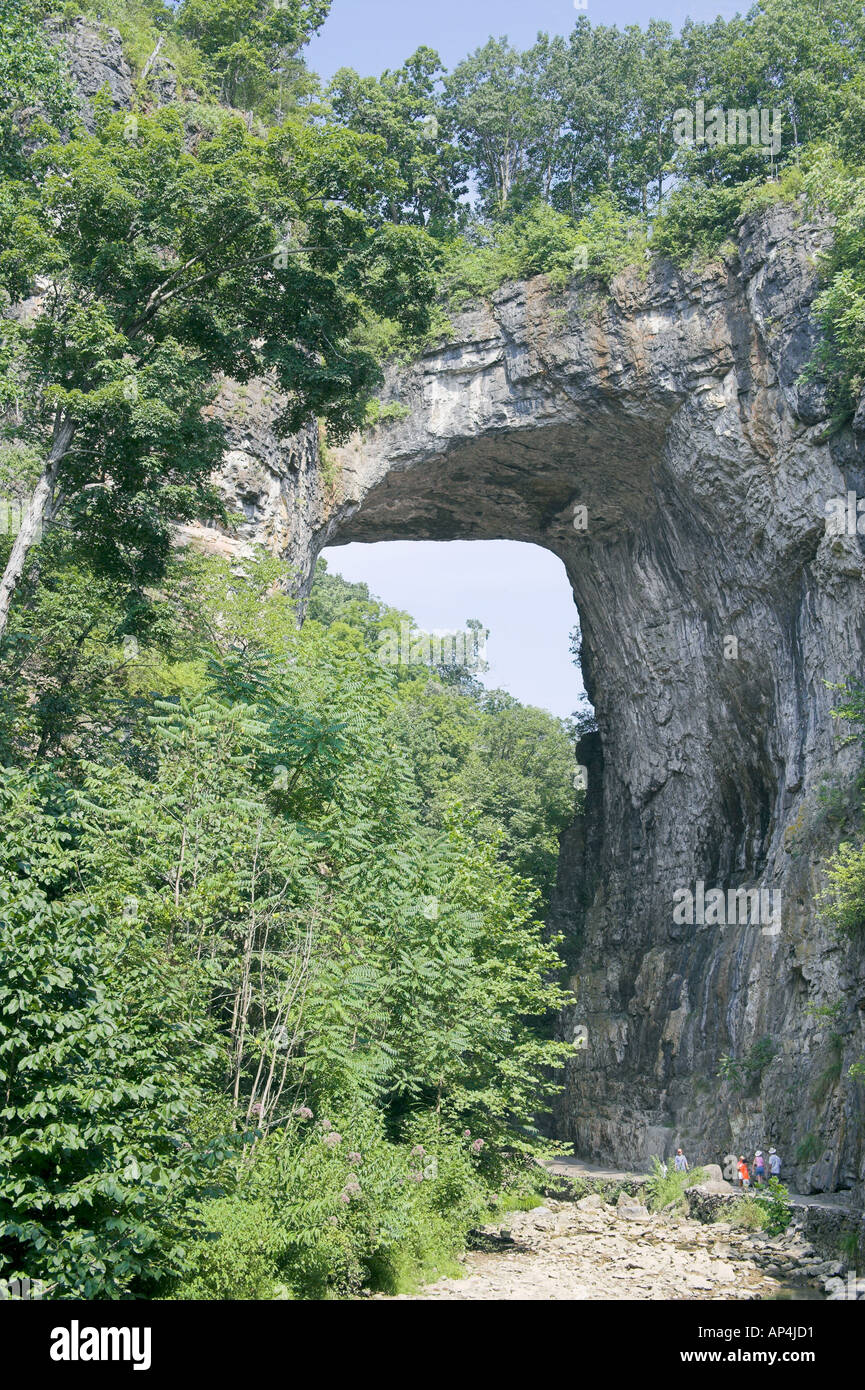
column 596, row 103
column 657, row 89
column 252, row 46
column 169, row 258
column 404, row 109
column 800, row 58
column 491, row 99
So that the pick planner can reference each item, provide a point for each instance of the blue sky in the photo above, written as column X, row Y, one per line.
column 519, row 592
column 371, row 35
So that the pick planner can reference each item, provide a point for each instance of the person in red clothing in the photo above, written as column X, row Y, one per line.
column 744, row 1176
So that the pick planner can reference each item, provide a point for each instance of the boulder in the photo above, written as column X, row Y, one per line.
column 593, row 1202
column 628, row 1209
column 713, row 1173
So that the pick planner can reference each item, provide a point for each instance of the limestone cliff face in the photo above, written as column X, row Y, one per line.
column 96, row 63
column 716, row 611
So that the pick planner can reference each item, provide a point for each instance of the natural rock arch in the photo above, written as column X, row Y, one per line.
column 715, row 609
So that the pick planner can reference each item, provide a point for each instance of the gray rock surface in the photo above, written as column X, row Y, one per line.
column 95, row 58
column 96, row 61
column 712, row 1173
column 594, row 1254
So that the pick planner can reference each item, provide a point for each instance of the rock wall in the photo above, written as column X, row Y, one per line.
column 97, row 63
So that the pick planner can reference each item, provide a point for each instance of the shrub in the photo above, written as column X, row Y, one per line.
column 842, row 904
column 665, row 1185
column 542, row 241
column 785, row 189
column 239, row 1254
column 384, row 412
column 773, row 1201
column 809, row 1148
column 831, row 1073
column 745, row 1074
column 99, row 1081
column 698, row 219
column 748, row 1214
column 323, row 1219
column 840, row 307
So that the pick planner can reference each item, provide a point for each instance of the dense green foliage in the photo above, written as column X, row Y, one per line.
column 840, row 307
column 509, row 767
column 32, row 80
column 172, row 251
column 250, row 47
column 269, row 1016
column 103, row 1059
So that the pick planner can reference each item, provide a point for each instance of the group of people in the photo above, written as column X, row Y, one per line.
column 743, row 1172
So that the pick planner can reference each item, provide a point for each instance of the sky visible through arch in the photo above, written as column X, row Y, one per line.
column 520, row 592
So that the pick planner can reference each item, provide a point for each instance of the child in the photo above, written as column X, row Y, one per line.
column 744, row 1176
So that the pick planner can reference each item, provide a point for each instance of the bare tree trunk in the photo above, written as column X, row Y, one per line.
column 31, row 525
column 152, row 59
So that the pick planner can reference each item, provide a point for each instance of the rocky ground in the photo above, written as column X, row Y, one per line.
column 591, row 1249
